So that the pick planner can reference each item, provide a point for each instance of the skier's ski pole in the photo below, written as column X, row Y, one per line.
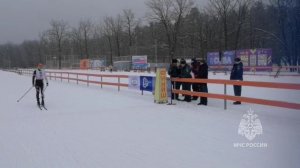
column 25, row 94
column 45, row 89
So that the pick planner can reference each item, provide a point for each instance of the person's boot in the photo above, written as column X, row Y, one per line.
column 237, row 103
column 43, row 103
column 195, row 98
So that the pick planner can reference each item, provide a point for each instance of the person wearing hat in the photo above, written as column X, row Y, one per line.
column 203, row 74
column 174, row 72
column 237, row 74
column 185, row 73
column 38, row 77
column 195, row 70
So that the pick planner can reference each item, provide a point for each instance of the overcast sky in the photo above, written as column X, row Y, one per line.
column 24, row 19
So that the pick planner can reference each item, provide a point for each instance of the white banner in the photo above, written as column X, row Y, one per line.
column 134, row 82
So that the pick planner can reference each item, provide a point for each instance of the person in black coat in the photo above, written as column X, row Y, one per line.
column 237, row 74
column 203, row 74
column 195, row 70
column 174, row 72
column 185, row 73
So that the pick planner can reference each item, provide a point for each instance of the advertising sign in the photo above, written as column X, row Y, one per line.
column 146, row 83
column 244, row 56
column 228, row 57
column 213, row 58
column 264, row 57
column 161, row 86
column 84, row 64
column 139, row 62
column 134, row 82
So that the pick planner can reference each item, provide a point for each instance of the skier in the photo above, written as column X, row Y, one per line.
column 237, row 74
column 185, row 73
column 38, row 78
column 174, row 72
column 203, row 74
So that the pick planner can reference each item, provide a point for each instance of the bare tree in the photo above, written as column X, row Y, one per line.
column 171, row 14
column 223, row 9
column 241, row 13
column 116, row 26
column 107, row 32
column 85, row 30
column 57, row 34
column 130, row 24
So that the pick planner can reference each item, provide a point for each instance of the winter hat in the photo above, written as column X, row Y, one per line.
column 237, row 59
column 182, row 61
column 175, row 61
column 39, row 65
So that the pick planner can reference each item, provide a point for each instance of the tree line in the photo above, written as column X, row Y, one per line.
column 170, row 29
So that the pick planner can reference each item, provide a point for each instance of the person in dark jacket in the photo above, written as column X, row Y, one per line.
column 203, row 74
column 195, row 70
column 237, row 74
column 174, row 72
column 185, row 73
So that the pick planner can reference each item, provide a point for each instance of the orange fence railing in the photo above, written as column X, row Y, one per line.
column 86, row 78
column 226, row 97
column 98, row 79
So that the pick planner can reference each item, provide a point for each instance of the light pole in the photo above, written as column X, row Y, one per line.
column 155, row 41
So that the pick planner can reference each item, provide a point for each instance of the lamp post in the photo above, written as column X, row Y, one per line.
column 155, row 41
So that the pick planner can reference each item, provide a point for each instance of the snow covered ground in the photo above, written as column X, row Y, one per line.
column 89, row 127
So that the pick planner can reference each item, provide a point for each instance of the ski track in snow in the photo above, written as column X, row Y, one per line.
column 90, row 127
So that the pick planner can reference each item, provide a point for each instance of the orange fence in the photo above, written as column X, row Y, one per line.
column 81, row 77
column 226, row 97
column 86, row 78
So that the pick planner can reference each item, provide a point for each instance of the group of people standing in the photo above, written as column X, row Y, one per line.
column 199, row 70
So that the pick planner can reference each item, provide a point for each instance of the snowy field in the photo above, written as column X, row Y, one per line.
column 89, row 127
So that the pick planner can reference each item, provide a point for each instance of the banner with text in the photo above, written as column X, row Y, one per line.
column 139, row 62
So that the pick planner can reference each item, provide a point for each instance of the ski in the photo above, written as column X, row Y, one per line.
column 44, row 108
column 40, row 107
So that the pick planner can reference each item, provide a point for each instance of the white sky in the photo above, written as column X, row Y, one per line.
column 25, row 19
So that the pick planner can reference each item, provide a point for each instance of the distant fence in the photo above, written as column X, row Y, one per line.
column 98, row 80
column 226, row 97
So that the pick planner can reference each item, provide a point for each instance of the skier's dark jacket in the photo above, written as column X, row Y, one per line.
column 185, row 71
column 174, row 71
column 195, row 68
column 237, row 71
column 203, row 71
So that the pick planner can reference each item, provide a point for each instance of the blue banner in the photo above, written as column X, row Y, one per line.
column 228, row 58
column 213, row 58
column 147, row 83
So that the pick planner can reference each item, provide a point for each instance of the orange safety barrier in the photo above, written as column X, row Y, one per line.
column 87, row 80
column 226, row 97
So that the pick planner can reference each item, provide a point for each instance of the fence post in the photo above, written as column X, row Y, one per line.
column 54, row 75
column 225, row 93
column 61, row 77
column 68, row 77
column 101, row 82
column 50, row 75
column 77, row 78
column 173, row 87
column 118, row 83
column 87, row 79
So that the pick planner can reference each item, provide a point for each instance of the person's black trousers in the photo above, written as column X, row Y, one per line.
column 237, row 90
column 196, row 88
column 203, row 88
column 39, row 86
column 187, row 87
column 175, row 85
